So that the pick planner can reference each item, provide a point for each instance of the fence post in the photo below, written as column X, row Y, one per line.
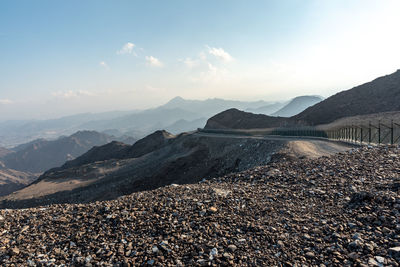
column 379, row 132
column 391, row 133
column 356, row 130
column 369, row 133
column 361, row 130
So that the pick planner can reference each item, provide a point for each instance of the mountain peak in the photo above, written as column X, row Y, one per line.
column 176, row 100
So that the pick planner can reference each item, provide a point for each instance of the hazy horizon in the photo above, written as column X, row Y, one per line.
column 63, row 58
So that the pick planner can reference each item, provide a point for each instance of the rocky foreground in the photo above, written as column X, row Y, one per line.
column 334, row 211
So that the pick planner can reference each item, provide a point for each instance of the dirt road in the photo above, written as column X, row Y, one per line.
column 297, row 146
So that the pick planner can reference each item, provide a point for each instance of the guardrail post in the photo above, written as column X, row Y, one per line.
column 361, row 138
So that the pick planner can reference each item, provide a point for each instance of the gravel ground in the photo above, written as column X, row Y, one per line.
column 341, row 210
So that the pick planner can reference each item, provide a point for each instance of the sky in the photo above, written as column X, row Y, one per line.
column 66, row 57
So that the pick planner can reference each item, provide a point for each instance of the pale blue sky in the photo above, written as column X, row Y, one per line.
column 66, row 57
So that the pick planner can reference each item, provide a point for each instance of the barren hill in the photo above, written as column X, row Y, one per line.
column 237, row 119
column 379, row 95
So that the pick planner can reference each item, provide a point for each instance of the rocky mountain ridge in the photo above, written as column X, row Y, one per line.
column 41, row 155
column 378, row 96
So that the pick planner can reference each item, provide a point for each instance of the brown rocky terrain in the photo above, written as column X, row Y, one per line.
column 341, row 210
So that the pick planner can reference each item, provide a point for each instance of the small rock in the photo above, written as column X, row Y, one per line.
column 351, row 225
column 307, row 236
column 227, row 256
column 310, row 254
column 14, row 251
column 356, row 236
column 155, row 249
column 213, row 252
column 232, row 248
column 380, row 259
column 395, row 249
column 354, row 256
column 355, row 244
column 372, row 262
column 213, row 209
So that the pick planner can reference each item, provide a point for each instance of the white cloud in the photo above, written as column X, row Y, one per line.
column 220, row 54
column 190, row 63
column 104, row 65
column 5, row 101
column 71, row 94
column 127, row 49
column 152, row 61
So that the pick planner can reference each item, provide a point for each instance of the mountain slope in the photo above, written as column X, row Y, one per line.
column 159, row 159
column 12, row 180
column 4, row 152
column 379, row 95
column 42, row 155
column 297, row 105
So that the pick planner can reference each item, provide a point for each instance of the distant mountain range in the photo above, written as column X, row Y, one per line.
column 267, row 109
column 40, row 155
column 177, row 115
column 297, row 105
column 377, row 96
